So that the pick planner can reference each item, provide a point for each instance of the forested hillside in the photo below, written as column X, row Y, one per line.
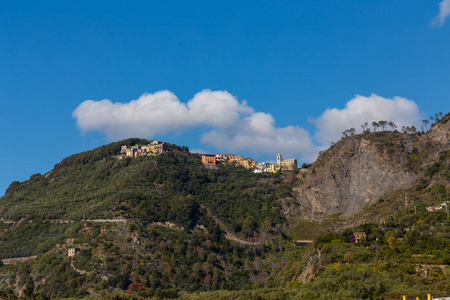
column 171, row 187
column 166, row 226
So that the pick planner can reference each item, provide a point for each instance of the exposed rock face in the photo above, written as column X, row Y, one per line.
column 437, row 139
column 351, row 174
column 361, row 169
column 441, row 133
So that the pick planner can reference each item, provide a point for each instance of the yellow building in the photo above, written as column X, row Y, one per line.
column 251, row 162
column 273, row 168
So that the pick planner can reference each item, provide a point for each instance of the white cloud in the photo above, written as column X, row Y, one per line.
column 160, row 113
column 258, row 134
column 233, row 126
column 149, row 115
column 217, row 108
column 360, row 109
column 444, row 12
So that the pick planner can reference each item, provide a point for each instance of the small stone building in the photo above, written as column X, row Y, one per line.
column 286, row 164
column 358, row 236
column 72, row 251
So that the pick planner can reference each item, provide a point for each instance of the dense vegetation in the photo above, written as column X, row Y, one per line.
column 193, row 232
column 173, row 187
column 407, row 255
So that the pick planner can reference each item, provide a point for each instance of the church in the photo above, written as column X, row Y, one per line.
column 286, row 164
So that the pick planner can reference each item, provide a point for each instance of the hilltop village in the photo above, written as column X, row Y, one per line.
column 282, row 164
column 155, row 147
column 212, row 160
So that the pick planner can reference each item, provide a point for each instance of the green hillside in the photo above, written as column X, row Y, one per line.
column 170, row 187
column 166, row 226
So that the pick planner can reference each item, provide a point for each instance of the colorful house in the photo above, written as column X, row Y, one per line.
column 213, row 159
column 155, row 147
column 234, row 157
column 209, row 159
column 273, row 168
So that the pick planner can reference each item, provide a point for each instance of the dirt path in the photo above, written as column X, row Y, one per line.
column 81, row 272
column 107, row 220
column 8, row 261
column 7, row 221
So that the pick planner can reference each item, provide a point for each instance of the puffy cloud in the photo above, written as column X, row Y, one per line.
column 258, row 134
column 217, row 108
column 444, row 12
column 160, row 113
column 149, row 115
column 360, row 109
column 233, row 126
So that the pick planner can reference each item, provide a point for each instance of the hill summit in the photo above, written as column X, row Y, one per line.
column 366, row 220
column 360, row 170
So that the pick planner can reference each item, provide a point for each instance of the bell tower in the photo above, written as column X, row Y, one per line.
column 279, row 159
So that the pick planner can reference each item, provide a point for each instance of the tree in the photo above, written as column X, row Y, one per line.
column 392, row 125
column 425, row 123
column 344, row 134
column 407, row 129
column 365, row 128
column 249, row 225
column 348, row 132
column 375, row 126
column 382, row 124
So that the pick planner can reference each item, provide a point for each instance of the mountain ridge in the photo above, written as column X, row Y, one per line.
column 358, row 170
column 226, row 230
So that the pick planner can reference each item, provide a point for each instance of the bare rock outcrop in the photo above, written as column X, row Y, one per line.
column 359, row 170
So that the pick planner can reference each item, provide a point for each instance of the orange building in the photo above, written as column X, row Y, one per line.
column 209, row 159
column 234, row 157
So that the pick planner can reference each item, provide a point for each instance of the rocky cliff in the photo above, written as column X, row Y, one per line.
column 359, row 170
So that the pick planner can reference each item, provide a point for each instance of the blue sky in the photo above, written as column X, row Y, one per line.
column 248, row 77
